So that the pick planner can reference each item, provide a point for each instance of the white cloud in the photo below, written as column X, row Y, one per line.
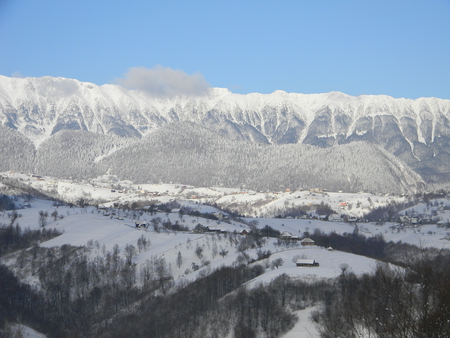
column 164, row 82
column 17, row 74
column 56, row 87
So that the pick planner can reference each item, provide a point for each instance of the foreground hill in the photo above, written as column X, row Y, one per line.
column 88, row 271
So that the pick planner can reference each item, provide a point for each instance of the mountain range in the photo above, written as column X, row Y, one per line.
column 66, row 127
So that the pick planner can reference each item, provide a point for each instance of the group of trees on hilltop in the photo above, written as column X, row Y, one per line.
column 407, row 300
column 78, row 292
column 355, row 243
column 13, row 237
column 6, row 203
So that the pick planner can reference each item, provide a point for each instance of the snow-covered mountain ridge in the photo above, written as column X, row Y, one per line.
column 415, row 131
column 39, row 107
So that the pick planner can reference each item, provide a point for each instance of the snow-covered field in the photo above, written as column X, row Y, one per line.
column 110, row 190
column 89, row 227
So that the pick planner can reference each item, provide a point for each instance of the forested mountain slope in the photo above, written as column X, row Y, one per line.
column 197, row 156
column 17, row 153
column 75, row 153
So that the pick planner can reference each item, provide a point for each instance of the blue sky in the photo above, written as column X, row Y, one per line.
column 397, row 48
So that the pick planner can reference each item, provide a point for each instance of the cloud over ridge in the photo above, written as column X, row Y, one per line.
column 164, row 82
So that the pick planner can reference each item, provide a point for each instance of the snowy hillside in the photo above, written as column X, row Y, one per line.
column 174, row 250
column 107, row 190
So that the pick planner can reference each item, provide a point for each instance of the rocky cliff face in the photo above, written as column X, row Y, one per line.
column 416, row 131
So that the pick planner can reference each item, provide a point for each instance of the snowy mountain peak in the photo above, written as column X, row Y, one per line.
column 415, row 131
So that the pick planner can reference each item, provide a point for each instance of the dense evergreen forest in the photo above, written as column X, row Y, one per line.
column 200, row 157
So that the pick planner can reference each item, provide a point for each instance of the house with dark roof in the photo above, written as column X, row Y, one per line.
column 306, row 262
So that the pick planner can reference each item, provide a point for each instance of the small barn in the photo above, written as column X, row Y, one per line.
column 404, row 219
column 334, row 218
column 306, row 262
column 219, row 215
column 307, row 241
column 215, row 230
column 140, row 224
